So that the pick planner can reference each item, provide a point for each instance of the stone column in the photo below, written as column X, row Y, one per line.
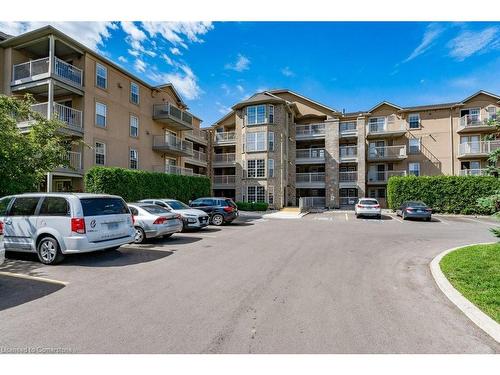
column 362, row 167
column 332, row 162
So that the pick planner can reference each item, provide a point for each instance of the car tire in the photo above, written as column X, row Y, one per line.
column 49, row 251
column 379, row 217
column 139, row 235
column 217, row 220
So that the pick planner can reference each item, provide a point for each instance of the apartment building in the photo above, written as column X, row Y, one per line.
column 122, row 120
column 279, row 146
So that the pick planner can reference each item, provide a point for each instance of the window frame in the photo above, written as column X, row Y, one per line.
column 410, row 151
column 270, row 168
column 105, row 106
column 131, row 127
column 265, row 119
column 410, row 122
column 133, row 84
column 270, row 141
column 257, row 170
column 258, row 191
column 255, row 142
column 97, row 66
column 410, row 169
column 68, row 213
column 96, row 153
column 130, row 159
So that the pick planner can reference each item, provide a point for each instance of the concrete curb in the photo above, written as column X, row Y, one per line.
column 479, row 318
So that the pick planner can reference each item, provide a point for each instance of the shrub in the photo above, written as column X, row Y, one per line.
column 446, row 194
column 134, row 185
column 252, row 206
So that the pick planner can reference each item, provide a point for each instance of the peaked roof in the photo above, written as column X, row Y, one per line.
column 259, row 97
column 384, row 103
column 279, row 91
column 479, row 93
column 178, row 97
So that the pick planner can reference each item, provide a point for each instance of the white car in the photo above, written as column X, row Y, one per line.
column 55, row 224
column 154, row 221
column 191, row 217
column 368, row 207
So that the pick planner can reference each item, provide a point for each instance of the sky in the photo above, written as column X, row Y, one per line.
column 345, row 65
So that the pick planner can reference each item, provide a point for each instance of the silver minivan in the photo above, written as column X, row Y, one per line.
column 56, row 224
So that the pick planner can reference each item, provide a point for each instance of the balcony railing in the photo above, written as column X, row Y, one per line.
column 224, row 137
column 224, row 180
column 62, row 69
column 310, row 131
column 173, row 116
column 346, row 177
column 311, row 202
column 71, row 117
column 472, row 122
column 347, row 201
column 478, row 148
column 386, row 127
column 225, row 158
column 348, row 152
column 172, row 143
column 387, row 152
column 310, row 178
column 174, row 169
column 74, row 160
column 473, row 172
column 347, row 129
column 197, row 134
column 310, row 155
column 198, row 156
column 383, row 176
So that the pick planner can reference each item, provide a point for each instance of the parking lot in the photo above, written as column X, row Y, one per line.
column 326, row 283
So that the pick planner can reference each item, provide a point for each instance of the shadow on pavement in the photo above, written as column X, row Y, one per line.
column 124, row 256
column 15, row 291
column 24, row 263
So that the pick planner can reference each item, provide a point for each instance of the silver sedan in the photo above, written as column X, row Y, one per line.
column 152, row 221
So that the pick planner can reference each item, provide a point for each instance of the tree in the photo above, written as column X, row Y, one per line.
column 25, row 158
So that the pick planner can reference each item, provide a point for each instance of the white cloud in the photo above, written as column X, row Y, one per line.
column 167, row 59
column 133, row 31
column 223, row 109
column 184, row 80
column 469, row 43
column 226, row 89
column 240, row 88
column 140, row 66
column 287, row 72
column 242, row 63
column 91, row 34
column 178, row 33
column 122, row 59
column 432, row 32
column 175, row 51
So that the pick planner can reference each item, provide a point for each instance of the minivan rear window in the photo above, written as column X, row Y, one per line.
column 103, row 206
column 24, row 206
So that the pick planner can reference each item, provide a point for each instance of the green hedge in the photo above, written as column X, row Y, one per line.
column 134, row 185
column 446, row 194
column 252, row 206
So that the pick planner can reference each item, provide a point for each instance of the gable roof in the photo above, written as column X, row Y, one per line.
column 260, row 97
column 177, row 95
column 279, row 91
column 223, row 118
column 479, row 93
column 385, row 103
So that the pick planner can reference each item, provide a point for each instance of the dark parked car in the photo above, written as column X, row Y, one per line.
column 414, row 210
column 220, row 210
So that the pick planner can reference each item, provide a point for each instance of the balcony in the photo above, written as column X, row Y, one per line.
column 385, row 129
column 224, row 159
column 172, row 145
column 348, row 130
column 311, row 131
column 197, row 135
column 74, row 163
column 225, row 138
column 348, row 153
column 70, row 117
column 198, row 158
column 387, row 153
column 224, row 181
column 381, row 177
column 35, row 70
column 349, row 178
column 477, row 149
column 473, row 172
column 310, row 180
column 174, row 169
column 174, row 117
column 347, row 201
column 473, row 123
column 310, row 156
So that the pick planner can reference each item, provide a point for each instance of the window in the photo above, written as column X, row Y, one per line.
column 270, row 194
column 134, row 93
column 256, row 168
column 100, row 114
column 257, row 114
column 100, row 153
column 270, row 137
column 101, row 76
column 376, row 124
column 270, row 167
column 54, row 206
column 134, row 159
column 24, row 206
column 256, row 141
column 134, row 126
column 414, row 121
column 271, row 114
column 414, row 145
column 256, row 194
column 347, row 127
column 414, row 169
column 103, row 206
column 492, row 113
column 4, row 204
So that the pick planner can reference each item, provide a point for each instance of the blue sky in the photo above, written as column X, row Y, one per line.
column 350, row 66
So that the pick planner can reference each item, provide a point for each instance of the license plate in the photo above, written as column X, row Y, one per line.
column 113, row 226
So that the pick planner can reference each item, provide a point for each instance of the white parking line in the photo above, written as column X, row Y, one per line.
column 346, row 217
column 478, row 221
column 396, row 218
column 36, row 278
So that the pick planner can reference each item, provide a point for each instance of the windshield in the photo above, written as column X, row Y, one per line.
column 103, row 206
column 177, row 205
column 154, row 209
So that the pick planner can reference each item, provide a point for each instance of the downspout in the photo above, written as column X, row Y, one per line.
column 452, row 143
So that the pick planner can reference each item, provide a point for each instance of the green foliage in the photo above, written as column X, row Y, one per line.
column 134, row 185
column 445, row 194
column 252, row 206
column 26, row 158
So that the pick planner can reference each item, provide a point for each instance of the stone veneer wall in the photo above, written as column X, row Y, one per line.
column 332, row 162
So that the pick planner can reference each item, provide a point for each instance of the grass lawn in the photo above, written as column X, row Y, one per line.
column 475, row 272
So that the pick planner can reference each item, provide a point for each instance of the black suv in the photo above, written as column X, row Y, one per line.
column 220, row 210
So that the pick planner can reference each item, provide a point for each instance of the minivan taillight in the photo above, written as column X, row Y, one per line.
column 228, row 209
column 133, row 219
column 1, row 227
column 78, row 225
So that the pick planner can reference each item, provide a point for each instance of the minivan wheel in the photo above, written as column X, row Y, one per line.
column 217, row 220
column 139, row 235
column 48, row 251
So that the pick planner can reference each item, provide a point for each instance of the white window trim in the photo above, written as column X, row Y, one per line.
column 419, row 144
column 138, row 93
column 266, row 115
column 256, row 169
column 130, row 126
column 104, row 152
column 130, row 158
column 97, row 66
column 419, row 120
column 270, row 166
column 256, row 142
column 256, row 187
column 105, row 115
column 270, row 192
column 410, row 169
column 270, row 136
